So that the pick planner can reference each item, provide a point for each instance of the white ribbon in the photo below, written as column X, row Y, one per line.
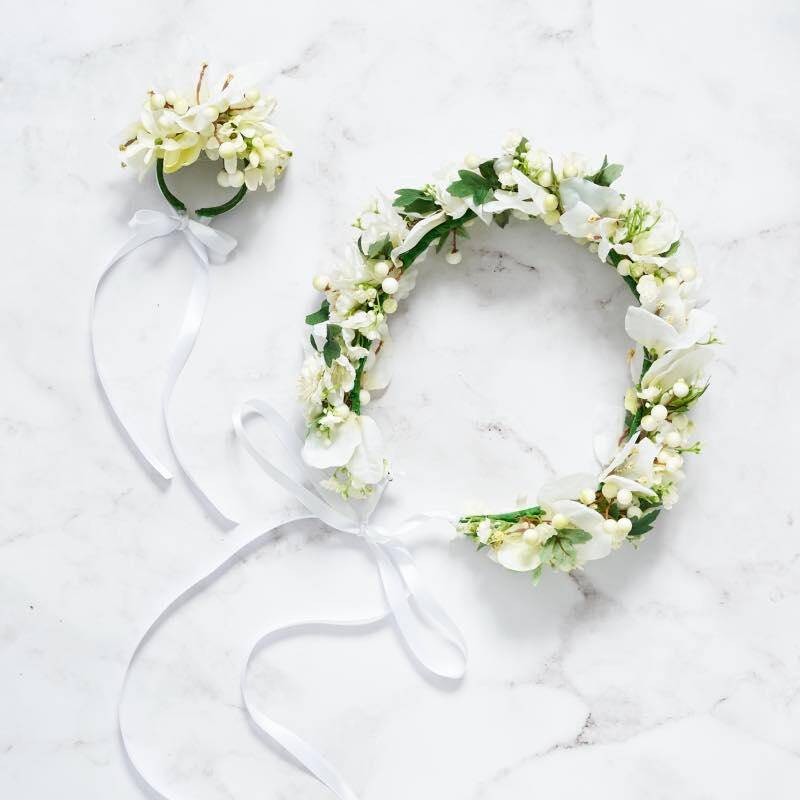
column 204, row 242
column 429, row 634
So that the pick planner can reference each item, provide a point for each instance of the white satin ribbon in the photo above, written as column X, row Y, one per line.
column 431, row 637
column 207, row 244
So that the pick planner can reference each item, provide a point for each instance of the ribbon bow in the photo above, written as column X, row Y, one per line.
column 208, row 245
column 431, row 637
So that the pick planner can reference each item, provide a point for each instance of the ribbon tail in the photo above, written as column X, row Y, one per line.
column 133, row 439
column 430, row 635
column 181, row 350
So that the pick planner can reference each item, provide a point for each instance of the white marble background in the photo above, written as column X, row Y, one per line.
column 664, row 673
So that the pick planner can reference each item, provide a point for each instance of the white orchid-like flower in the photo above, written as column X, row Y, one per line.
column 642, row 233
column 380, row 221
column 356, row 445
column 529, row 198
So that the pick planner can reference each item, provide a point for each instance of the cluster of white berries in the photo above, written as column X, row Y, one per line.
column 228, row 124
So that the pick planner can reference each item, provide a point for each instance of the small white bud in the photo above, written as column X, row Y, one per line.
column 651, row 393
column 545, row 179
column 648, row 423
column 610, row 526
column 570, row 171
column 624, row 498
column 551, row 218
column 181, row 105
column 624, row 526
column 320, row 282
column 674, row 439
column 222, row 179
column 252, row 95
column 364, row 396
column 227, row 149
column 381, row 269
column 587, row 496
column 671, row 282
column 341, row 411
column 659, row 413
column 624, row 267
column 389, row 285
column 550, row 202
column 634, row 512
column 674, row 463
column 453, row 257
column 610, row 490
column 560, row 521
column 680, row 389
column 157, row 100
column 390, row 305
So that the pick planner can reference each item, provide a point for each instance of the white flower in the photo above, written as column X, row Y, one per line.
column 633, row 467
column 658, row 334
column 643, row 233
column 529, row 198
column 560, row 497
column 355, row 444
column 517, row 553
column 379, row 222
column 686, row 365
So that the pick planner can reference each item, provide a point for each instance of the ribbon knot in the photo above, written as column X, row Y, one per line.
column 208, row 244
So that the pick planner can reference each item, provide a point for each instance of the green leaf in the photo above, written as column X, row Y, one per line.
column 432, row 235
column 502, row 218
column 575, row 535
column 415, row 201
column 536, row 575
column 644, row 523
column 380, row 249
column 488, row 172
column 332, row 349
column 320, row 315
column 607, row 173
column 672, row 249
column 471, row 184
column 313, row 343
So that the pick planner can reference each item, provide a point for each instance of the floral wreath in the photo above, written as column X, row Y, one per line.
column 578, row 518
column 227, row 123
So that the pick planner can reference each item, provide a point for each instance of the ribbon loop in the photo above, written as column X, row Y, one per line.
column 431, row 636
column 147, row 225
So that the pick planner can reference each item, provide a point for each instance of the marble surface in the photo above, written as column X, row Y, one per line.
column 668, row 672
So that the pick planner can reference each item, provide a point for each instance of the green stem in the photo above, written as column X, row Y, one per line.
column 510, row 516
column 162, row 184
column 215, row 211
column 178, row 205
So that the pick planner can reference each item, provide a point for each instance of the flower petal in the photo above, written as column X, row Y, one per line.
column 318, row 452
column 517, row 554
column 566, row 488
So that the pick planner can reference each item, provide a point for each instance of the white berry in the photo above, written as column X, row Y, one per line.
column 648, row 423
column 610, row 526
column 453, row 257
column 624, row 498
column 560, row 521
column 587, row 496
column 674, row 439
column 390, row 285
column 659, row 413
column 364, row 396
column 381, row 269
column 610, row 490
column 624, row 526
column 680, row 389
